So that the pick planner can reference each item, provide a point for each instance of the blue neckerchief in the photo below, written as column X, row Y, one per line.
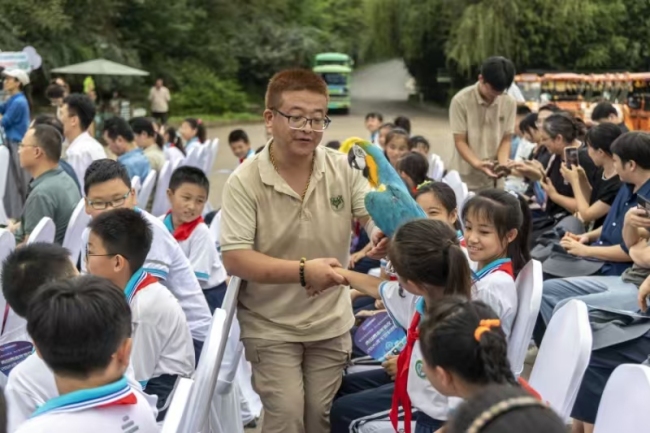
column 86, row 398
column 460, row 235
column 191, row 142
column 168, row 223
column 421, row 306
column 478, row 275
column 134, row 282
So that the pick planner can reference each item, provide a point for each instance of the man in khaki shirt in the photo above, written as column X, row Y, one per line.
column 159, row 97
column 291, row 206
column 482, row 118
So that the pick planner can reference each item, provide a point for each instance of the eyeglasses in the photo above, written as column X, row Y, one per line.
column 99, row 255
column 299, row 122
column 102, row 205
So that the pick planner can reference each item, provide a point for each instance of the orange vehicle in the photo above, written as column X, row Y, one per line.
column 612, row 87
column 638, row 101
column 531, row 88
column 566, row 90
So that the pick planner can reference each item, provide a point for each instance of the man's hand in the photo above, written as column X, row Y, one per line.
column 637, row 218
column 390, row 366
column 487, row 167
column 320, row 275
column 380, row 244
column 574, row 247
column 583, row 239
column 644, row 292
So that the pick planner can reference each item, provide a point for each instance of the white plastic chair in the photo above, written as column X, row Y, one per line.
column 178, row 405
column 136, row 184
column 460, row 188
column 160, row 200
column 146, row 190
column 43, row 232
column 197, row 410
column 215, row 230
column 174, row 155
column 78, row 222
column 436, row 167
column 529, row 285
column 7, row 244
column 4, row 172
column 212, row 156
column 193, row 158
column 625, row 400
column 563, row 357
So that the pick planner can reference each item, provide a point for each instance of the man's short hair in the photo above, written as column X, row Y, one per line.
column 103, row 170
column 523, row 110
column 54, row 91
column 603, row 110
column 81, row 106
column 633, row 146
column 78, row 324
column 238, row 135
column 187, row 174
column 118, row 127
column 29, row 267
column 498, row 72
column 50, row 140
column 48, row 119
column 375, row 115
column 293, row 80
column 142, row 124
column 125, row 232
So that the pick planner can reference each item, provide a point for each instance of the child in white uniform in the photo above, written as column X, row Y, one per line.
column 188, row 192
column 31, row 383
column 81, row 327
column 497, row 233
column 118, row 244
column 430, row 265
column 107, row 186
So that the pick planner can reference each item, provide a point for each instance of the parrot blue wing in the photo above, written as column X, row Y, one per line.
column 392, row 207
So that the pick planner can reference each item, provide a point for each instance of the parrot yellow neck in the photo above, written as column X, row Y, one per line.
column 381, row 188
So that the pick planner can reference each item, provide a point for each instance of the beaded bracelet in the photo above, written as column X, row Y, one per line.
column 303, row 281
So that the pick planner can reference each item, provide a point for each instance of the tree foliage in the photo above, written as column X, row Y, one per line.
column 229, row 47
column 457, row 35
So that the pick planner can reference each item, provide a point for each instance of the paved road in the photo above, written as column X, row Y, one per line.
column 380, row 87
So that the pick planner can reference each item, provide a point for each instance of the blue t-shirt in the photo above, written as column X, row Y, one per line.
column 136, row 163
column 15, row 117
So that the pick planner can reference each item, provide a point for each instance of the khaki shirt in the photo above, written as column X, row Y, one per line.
column 485, row 126
column 159, row 99
column 261, row 212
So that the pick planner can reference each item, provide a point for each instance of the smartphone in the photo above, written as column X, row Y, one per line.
column 571, row 156
column 643, row 203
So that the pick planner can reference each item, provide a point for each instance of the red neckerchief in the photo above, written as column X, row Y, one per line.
column 183, row 231
column 529, row 389
column 401, row 395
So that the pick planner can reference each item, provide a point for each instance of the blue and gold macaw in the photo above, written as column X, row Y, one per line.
column 390, row 204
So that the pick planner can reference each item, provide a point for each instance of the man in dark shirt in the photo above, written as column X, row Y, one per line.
column 605, row 112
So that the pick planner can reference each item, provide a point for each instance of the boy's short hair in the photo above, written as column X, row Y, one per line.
column 375, row 115
column 54, row 91
column 238, row 135
column 187, row 174
column 118, row 127
column 78, row 324
column 387, row 125
column 103, row 170
column 403, row 122
column 125, row 232
column 293, row 80
column 633, row 146
column 47, row 119
column 29, row 267
column 549, row 107
column 142, row 124
column 418, row 139
column 81, row 106
column 523, row 110
column 603, row 110
column 498, row 72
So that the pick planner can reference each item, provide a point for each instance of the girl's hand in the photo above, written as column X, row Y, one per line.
column 583, row 239
column 574, row 247
column 380, row 245
column 379, row 305
column 548, row 186
column 644, row 292
column 366, row 313
column 572, row 174
column 354, row 258
column 390, row 366
column 637, row 218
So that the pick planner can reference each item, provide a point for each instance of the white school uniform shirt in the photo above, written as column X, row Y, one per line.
column 167, row 262
column 162, row 343
column 31, row 384
column 82, row 152
column 200, row 249
column 496, row 287
column 402, row 308
column 115, row 407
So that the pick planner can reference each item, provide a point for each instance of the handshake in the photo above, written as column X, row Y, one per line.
column 493, row 169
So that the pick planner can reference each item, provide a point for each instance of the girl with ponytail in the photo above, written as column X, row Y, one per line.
column 193, row 132
column 429, row 264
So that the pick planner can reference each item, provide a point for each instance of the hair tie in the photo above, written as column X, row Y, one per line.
column 423, row 184
column 485, row 326
column 501, row 408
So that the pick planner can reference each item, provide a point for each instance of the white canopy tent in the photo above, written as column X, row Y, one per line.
column 100, row 67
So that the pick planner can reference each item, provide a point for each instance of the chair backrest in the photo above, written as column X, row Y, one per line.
column 44, row 231
column 436, row 168
column 460, row 188
column 147, row 189
column 178, row 405
column 197, row 410
column 212, row 156
column 174, row 155
column 7, row 244
column 4, row 169
column 215, row 230
column 193, row 158
column 563, row 357
column 78, row 222
column 625, row 400
column 529, row 294
column 136, row 184
column 160, row 200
